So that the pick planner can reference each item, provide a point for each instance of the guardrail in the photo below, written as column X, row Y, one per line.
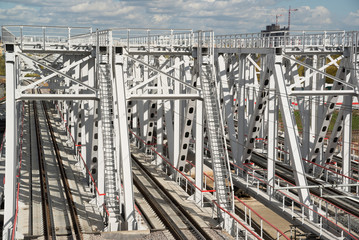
column 41, row 37
column 296, row 208
column 176, row 38
column 69, row 38
column 300, row 40
column 139, row 37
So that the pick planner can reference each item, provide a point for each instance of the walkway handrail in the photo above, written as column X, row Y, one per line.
column 19, row 174
column 171, row 165
column 335, row 206
column 299, row 39
column 252, row 210
column 238, row 221
column 79, row 152
column 298, row 202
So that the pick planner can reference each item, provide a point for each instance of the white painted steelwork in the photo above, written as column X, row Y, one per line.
column 204, row 89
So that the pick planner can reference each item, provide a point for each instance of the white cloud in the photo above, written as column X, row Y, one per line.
column 20, row 14
column 159, row 18
column 223, row 16
column 352, row 19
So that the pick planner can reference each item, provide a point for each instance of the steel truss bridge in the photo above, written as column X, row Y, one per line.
column 225, row 99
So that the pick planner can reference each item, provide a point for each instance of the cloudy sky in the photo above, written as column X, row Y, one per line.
column 222, row 16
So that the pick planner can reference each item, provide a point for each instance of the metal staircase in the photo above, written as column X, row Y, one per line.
column 220, row 163
column 106, row 104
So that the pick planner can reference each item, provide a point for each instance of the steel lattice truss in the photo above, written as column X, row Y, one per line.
column 186, row 98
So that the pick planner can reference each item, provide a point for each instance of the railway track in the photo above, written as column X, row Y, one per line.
column 59, row 214
column 182, row 226
column 285, row 172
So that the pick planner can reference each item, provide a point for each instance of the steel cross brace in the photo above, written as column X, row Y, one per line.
column 125, row 160
column 257, row 115
column 328, row 109
column 290, row 129
column 58, row 72
column 228, row 102
column 187, row 128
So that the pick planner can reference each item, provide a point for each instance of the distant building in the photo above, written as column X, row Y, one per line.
column 274, row 30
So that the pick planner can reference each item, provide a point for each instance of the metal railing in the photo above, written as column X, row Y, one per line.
column 141, row 37
column 294, row 39
column 297, row 209
column 41, row 37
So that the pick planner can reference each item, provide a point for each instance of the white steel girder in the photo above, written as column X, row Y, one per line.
column 241, row 119
column 256, row 117
column 228, row 102
column 290, row 129
column 187, row 128
column 325, row 121
column 11, row 143
column 199, row 149
column 272, row 134
column 125, row 159
column 135, row 81
column 176, row 114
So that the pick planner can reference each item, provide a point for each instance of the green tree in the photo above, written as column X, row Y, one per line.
column 2, row 65
column 332, row 70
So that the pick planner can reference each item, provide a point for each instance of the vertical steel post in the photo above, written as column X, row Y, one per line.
column 11, row 143
column 241, row 110
column 126, row 162
column 159, row 130
column 228, row 101
column 89, row 112
column 272, row 134
column 199, row 148
column 176, row 114
column 289, row 125
column 347, row 134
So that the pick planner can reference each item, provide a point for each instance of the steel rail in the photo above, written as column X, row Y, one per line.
column 285, row 173
column 71, row 204
column 178, row 234
column 30, row 173
column 49, row 232
column 161, row 213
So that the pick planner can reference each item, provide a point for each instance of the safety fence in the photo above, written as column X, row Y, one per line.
column 298, row 40
column 241, row 229
column 297, row 209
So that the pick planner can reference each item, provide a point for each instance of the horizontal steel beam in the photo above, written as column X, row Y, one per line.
column 58, row 97
column 164, row 97
column 58, row 72
column 322, row 92
column 318, row 71
column 164, row 73
column 318, row 186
